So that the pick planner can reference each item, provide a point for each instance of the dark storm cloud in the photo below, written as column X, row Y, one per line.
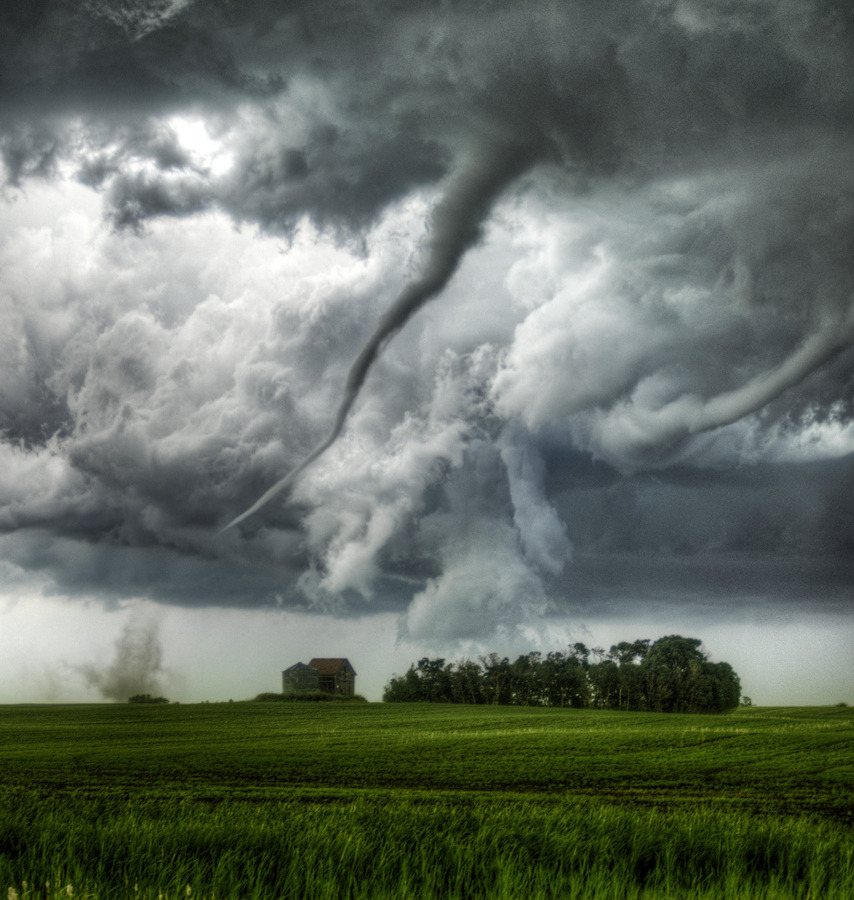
column 793, row 509
column 29, row 152
column 111, row 571
column 715, row 587
column 137, row 198
column 647, row 207
column 360, row 106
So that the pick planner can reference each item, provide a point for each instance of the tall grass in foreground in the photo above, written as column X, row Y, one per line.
column 278, row 800
column 398, row 846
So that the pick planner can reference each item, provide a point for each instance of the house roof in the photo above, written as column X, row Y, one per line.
column 330, row 666
column 299, row 665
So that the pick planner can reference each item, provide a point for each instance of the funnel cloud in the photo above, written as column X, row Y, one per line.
column 455, row 225
column 136, row 666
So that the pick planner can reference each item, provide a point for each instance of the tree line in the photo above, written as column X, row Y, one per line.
column 672, row 674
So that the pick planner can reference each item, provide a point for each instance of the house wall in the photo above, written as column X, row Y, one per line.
column 300, row 681
column 326, row 684
column 303, row 679
column 345, row 683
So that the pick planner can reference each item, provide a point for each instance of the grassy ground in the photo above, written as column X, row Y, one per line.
column 281, row 800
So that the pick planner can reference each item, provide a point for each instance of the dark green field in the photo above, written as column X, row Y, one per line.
column 368, row 800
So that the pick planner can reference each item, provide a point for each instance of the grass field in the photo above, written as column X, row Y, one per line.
column 369, row 800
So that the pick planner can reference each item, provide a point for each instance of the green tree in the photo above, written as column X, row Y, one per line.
column 626, row 654
column 673, row 674
column 569, row 683
column 435, row 677
column 526, row 680
column 497, row 679
column 467, row 680
column 678, row 677
column 605, row 684
column 726, row 687
column 404, row 688
column 667, row 672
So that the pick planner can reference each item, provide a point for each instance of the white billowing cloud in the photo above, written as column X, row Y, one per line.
column 647, row 423
column 542, row 533
column 690, row 307
column 141, row 18
column 39, row 484
column 494, row 556
column 373, row 488
column 830, row 439
column 486, row 589
column 579, row 348
column 155, row 382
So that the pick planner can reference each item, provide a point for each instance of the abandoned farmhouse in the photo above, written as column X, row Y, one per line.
column 328, row 676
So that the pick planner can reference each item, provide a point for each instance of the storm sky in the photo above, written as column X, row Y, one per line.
column 555, row 301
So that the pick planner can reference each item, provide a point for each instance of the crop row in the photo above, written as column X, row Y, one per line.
column 273, row 801
column 399, row 846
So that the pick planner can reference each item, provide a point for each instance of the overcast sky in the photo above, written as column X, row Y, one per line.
column 549, row 306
